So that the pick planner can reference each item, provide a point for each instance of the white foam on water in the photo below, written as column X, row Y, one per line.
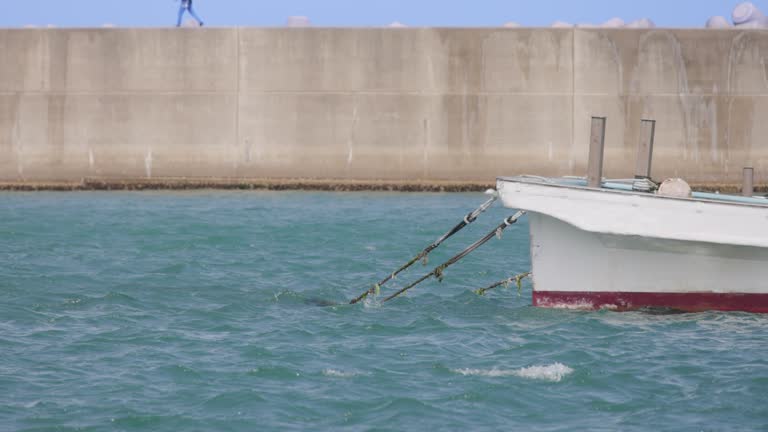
column 553, row 373
column 577, row 305
column 372, row 302
column 494, row 373
column 335, row 373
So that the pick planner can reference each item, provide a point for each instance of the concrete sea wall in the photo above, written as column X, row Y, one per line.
column 414, row 105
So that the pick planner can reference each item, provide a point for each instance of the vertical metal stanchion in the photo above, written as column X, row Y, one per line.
column 596, row 148
column 645, row 149
column 748, row 183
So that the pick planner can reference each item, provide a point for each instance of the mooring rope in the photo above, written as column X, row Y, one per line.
column 468, row 219
column 517, row 279
column 438, row 271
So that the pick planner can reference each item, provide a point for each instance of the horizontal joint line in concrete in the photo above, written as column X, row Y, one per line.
column 401, row 93
column 655, row 94
column 354, row 93
column 118, row 93
column 282, row 92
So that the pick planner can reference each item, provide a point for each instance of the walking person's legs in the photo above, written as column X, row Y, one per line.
column 181, row 14
column 194, row 15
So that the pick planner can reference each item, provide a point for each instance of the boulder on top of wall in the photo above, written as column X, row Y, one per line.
column 641, row 23
column 747, row 15
column 298, row 21
column 561, row 24
column 613, row 23
column 717, row 22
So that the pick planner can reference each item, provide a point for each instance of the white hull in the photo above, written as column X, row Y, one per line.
column 596, row 248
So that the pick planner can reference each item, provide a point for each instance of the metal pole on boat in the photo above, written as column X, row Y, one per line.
column 747, row 185
column 645, row 149
column 643, row 182
column 596, row 147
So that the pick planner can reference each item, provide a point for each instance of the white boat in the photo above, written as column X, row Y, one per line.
column 615, row 248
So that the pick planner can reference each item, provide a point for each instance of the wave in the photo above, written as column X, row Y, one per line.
column 553, row 373
column 342, row 374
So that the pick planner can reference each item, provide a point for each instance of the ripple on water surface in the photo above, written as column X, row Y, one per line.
column 226, row 311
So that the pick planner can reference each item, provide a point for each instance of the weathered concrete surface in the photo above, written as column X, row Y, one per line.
column 706, row 89
column 398, row 105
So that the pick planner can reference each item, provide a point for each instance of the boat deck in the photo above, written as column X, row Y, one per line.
column 625, row 186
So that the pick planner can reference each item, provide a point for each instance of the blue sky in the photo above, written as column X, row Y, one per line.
column 154, row 13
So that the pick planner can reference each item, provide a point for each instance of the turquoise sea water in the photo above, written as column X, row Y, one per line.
column 195, row 311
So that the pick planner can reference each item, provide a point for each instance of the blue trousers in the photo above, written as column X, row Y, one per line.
column 187, row 7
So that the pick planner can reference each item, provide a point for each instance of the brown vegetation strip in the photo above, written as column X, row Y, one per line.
column 249, row 184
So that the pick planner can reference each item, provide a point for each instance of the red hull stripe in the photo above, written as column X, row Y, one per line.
column 623, row 301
